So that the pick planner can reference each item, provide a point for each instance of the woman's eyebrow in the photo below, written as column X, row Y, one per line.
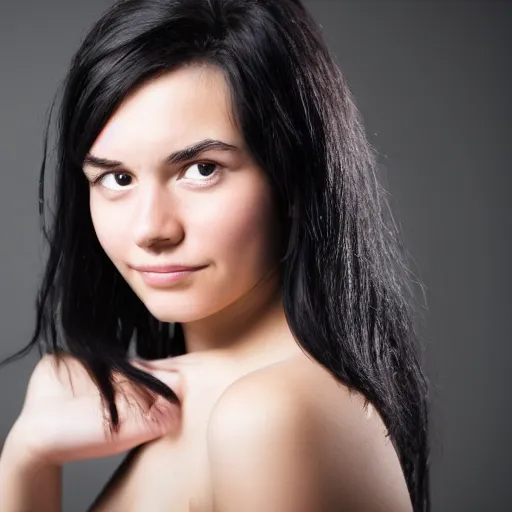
column 179, row 156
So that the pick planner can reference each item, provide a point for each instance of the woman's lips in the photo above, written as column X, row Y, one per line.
column 162, row 279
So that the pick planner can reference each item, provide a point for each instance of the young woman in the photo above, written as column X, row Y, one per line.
column 217, row 205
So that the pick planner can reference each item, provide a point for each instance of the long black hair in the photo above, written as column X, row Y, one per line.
column 346, row 283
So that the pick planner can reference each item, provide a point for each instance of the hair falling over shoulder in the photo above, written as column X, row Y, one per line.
column 347, row 289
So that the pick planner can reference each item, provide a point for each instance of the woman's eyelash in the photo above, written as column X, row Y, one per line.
column 215, row 172
column 98, row 177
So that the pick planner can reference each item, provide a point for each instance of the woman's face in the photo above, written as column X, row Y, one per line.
column 213, row 211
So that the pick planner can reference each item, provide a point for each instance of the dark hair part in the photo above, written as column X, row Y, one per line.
column 347, row 290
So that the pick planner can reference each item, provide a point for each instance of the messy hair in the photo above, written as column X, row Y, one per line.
column 345, row 275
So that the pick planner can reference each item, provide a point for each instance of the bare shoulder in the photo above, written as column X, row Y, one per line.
column 295, row 424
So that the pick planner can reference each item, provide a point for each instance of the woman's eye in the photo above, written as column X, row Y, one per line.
column 115, row 180
column 202, row 171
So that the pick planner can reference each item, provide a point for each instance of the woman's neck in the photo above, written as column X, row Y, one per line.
column 254, row 327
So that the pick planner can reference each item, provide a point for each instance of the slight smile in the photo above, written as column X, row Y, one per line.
column 163, row 276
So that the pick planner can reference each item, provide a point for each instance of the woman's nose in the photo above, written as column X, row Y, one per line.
column 155, row 219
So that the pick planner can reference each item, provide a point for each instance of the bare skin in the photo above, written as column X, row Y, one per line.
column 230, row 311
column 214, row 212
column 172, row 472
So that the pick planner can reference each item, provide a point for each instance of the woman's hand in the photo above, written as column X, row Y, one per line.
column 63, row 419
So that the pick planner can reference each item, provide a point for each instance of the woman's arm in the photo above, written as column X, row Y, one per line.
column 26, row 486
column 62, row 421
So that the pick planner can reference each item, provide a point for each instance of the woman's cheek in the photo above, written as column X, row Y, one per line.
column 111, row 233
column 238, row 231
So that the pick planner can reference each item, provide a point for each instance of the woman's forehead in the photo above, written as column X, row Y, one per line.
column 175, row 109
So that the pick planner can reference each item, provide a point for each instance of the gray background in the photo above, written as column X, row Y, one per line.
column 432, row 82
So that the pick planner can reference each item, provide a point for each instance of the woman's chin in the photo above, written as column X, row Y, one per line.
column 170, row 314
column 167, row 316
